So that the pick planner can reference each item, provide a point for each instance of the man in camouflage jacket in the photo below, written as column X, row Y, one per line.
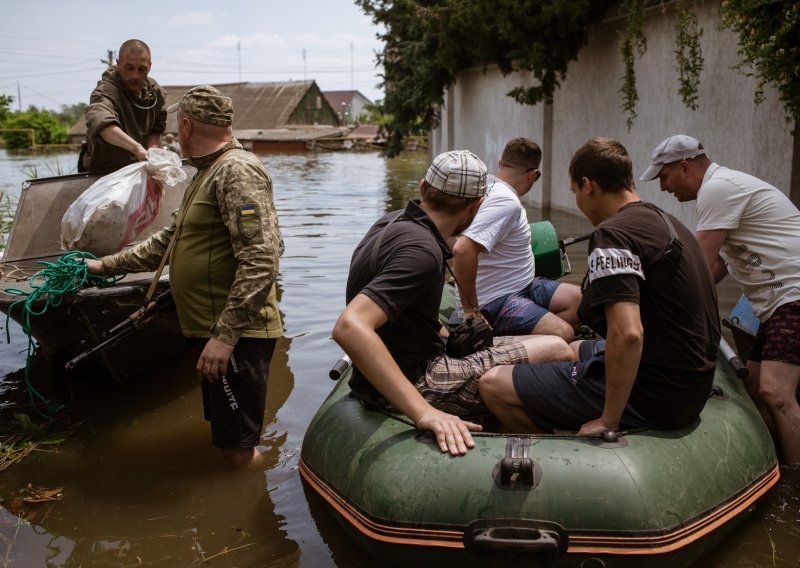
column 223, row 269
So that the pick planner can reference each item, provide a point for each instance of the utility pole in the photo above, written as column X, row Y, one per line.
column 19, row 98
column 110, row 61
column 304, row 65
column 239, row 49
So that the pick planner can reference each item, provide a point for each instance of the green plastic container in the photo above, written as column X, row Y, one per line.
column 546, row 252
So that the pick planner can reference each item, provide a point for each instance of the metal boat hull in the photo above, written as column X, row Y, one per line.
column 83, row 317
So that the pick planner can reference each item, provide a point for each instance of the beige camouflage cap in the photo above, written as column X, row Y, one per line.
column 206, row 104
column 458, row 172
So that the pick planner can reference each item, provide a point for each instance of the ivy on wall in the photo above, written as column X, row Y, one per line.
column 769, row 45
column 429, row 42
column 633, row 45
column 688, row 55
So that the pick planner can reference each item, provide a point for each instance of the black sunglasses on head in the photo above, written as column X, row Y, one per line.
column 537, row 176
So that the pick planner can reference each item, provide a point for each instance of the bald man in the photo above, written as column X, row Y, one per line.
column 126, row 113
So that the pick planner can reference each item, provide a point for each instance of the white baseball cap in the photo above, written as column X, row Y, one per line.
column 673, row 149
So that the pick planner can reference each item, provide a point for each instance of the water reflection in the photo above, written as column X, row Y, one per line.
column 142, row 484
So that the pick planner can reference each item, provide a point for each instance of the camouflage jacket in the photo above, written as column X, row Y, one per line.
column 225, row 261
column 111, row 104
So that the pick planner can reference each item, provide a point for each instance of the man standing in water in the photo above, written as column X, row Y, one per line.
column 649, row 292
column 390, row 327
column 223, row 269
column 126, row 113
column 750, row 230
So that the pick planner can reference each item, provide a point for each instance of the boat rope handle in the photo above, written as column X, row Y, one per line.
column 68, row 274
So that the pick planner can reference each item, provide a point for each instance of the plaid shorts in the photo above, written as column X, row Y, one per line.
column 778, row 338
column 451, row 385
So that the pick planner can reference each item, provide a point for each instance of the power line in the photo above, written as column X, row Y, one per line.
column 39, row 94
column 68, row 71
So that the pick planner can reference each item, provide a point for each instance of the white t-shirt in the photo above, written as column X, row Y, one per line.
column 762, row 249
column 501, row 226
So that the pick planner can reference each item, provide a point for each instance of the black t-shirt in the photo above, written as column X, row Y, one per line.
column 406, row 282
column 677, row 302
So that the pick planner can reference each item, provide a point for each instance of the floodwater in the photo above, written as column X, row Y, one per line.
column 142, row 484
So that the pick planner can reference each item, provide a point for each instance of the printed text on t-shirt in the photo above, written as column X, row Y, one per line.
column 613, row 262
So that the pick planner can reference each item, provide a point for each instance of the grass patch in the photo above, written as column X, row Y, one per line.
column 7, row 210
column 27, row 437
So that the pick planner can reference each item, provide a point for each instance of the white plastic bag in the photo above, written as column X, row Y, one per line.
column 116, row 208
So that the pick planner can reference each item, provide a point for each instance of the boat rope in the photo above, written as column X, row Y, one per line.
column 68, row 274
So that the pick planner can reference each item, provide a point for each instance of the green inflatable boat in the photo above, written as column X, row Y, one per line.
column 641, row 498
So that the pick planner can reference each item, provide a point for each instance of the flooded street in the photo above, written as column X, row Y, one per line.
column 142, row 485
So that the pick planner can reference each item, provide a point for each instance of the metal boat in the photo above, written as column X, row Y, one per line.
column 85, row 316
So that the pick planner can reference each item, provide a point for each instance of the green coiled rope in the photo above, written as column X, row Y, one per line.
column 68, row 274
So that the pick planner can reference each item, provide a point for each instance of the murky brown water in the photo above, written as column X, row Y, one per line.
column 142, row 484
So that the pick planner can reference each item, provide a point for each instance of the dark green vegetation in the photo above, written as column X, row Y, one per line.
column 24, row 130
column 769, row 45
column 429, row 42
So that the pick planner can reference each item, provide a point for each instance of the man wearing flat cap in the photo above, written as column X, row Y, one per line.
column 751, row 230
column 223, row 268
column 390, row 327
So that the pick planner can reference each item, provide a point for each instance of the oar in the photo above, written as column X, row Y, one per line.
column 733, row 359
column 572, row 240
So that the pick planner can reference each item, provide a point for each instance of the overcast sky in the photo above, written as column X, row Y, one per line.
column 51, row 50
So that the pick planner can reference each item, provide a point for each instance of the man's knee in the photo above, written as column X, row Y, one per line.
column 776, row 397
column 487, row 383
column 565, row 302
column 548, row 348
column 777, row 390
column 494, row 383
column 551, row 324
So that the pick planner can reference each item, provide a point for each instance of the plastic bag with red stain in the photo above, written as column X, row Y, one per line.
column 116, row 208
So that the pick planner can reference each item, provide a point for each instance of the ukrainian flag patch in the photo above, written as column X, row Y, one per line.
column 248, row 218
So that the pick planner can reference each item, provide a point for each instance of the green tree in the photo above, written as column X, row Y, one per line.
column 769, row 44
column 48, row 129
column 5, row 107
column 429, row 42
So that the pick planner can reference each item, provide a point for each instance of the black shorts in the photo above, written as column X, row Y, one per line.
column 235, row 405
column 566, row 395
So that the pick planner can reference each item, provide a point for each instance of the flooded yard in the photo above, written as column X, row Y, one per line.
column 141, row 485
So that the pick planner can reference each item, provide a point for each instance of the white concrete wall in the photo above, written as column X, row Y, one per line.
column 735, row 131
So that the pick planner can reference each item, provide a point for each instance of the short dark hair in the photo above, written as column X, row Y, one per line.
column 444, row 202
column 521, row 153
column 134, row 46
column 604, row 161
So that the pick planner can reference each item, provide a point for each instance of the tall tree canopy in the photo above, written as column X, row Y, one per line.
column 428, row 42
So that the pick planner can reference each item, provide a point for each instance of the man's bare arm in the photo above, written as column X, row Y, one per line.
column 624, row 341
column 711, row 243
column 114, row 135
column 465, row 267
column 355, row 333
